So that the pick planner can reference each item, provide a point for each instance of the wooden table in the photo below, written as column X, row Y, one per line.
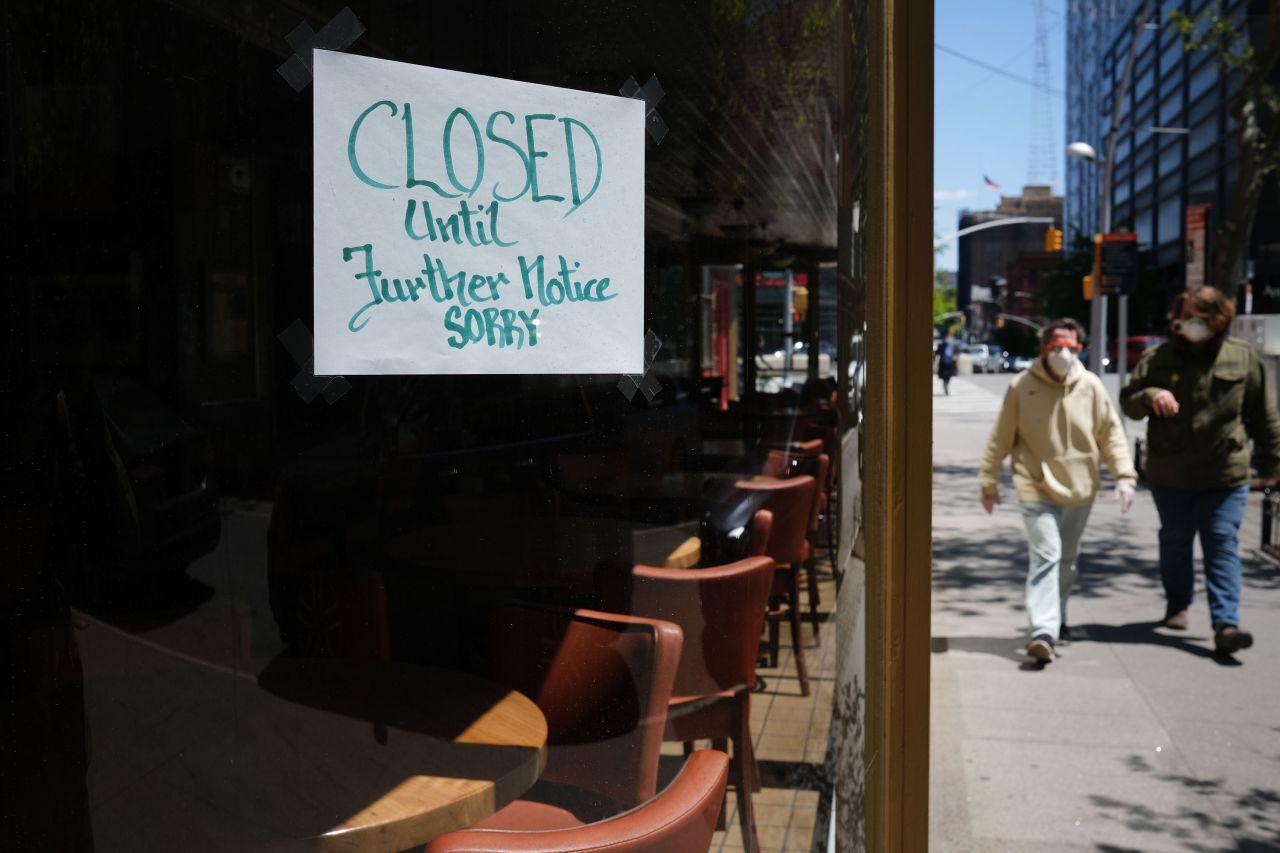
column 555, row 552
column 312, row 754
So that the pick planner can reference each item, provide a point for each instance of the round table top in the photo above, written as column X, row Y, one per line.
column 312, row 754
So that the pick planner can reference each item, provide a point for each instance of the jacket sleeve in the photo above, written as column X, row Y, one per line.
column 1261, row 420
column 1000, row 444
column 1138, row 392
column 1110, row 436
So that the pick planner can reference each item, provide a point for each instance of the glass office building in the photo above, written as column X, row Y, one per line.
column 1158, row 175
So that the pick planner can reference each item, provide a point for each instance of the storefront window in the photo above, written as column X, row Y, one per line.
column 269, row 607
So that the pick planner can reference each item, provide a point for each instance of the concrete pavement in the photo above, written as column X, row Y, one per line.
column 1137, row 738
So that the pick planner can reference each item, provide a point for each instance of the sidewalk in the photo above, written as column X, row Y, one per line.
column 1136, row 738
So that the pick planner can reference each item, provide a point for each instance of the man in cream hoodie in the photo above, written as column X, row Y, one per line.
column 1058, row 423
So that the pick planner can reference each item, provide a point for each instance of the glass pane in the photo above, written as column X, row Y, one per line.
column 1169, row 220
column 269, row 606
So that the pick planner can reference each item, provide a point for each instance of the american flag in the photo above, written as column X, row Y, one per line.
column 990, row 184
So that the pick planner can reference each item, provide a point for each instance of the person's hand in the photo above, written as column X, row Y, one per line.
column 1270, row 482
column 1124, row 494
column 1165, row 405
column 989, row 501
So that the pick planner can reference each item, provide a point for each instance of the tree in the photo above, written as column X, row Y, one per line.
column 1061, row 293
column 944, row 293
column 1256, row 109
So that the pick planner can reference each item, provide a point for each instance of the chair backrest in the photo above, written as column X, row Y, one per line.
column 791, row 503
column 343, row 614
column 761, row 530
column 784, row 464
column 721, row 611
column 682, row 819
column 603, row 682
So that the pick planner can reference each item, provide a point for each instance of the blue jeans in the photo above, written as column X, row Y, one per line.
column 1216, row 514
column 1053, row 543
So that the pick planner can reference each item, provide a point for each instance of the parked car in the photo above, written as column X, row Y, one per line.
column 1137, row 345
column 1019, row 363
column 985, row 358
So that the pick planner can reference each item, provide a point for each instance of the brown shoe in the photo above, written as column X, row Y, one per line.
column 1178, row 621
column 1229, row 639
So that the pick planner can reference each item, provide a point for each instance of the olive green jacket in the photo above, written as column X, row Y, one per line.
column 1224, row 401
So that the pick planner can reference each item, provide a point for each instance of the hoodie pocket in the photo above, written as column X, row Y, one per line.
column 1070, row 477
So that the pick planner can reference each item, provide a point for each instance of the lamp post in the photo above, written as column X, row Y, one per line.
column 1098, row 307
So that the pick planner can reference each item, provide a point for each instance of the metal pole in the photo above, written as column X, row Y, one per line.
column 789, row 328
column 1098, row 314
column 1122, row 339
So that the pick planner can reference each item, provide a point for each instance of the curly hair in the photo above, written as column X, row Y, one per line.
column 1064, row 323
column 1218, row 310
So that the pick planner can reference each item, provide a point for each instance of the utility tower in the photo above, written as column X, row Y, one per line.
column 1042, row 161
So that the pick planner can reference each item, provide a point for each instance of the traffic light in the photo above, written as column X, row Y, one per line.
column 1088, row 287
column 1053, row 239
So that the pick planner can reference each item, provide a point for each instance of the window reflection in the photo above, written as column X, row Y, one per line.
column 246, row 591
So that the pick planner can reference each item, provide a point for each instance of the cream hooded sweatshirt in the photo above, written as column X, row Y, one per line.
column 1056, row 432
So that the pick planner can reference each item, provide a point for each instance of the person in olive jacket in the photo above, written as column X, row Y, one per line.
column 1206, row 395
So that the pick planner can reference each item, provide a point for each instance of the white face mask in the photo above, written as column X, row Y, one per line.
column 1061, row 359
column 1195, row 330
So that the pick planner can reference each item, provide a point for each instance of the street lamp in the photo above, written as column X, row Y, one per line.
column 1098, row 307
column 1083, row 150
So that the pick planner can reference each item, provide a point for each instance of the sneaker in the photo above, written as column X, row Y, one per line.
column 1064, row 635
column 1176, row 619
column 1041, row 648
column 1229, row 639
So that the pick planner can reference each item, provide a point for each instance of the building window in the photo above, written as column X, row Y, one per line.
column 1201, row 137
column 1120, row 193
column 1171, row 108
column 1123, row 146
column 1170, row 158
column 1203, row 190
column 1169, row 223
column 1142, row 178
column 1171, row 58
column 1142, row 224
column 1198, row 167
column 1207, row 105
column 1202, row 80
column 1143, row 86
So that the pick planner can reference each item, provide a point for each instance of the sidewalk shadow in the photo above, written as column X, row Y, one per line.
column 1145, row 633
column 1007, row 648
column 1250, row 817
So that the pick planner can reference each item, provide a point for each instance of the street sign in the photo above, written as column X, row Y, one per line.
column 1119, row 263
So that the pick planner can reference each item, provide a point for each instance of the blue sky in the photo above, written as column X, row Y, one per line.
column 982, row 119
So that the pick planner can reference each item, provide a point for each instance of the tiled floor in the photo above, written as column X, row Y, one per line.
column 791, row 742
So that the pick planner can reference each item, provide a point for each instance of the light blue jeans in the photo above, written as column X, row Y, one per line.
column 1053, row 540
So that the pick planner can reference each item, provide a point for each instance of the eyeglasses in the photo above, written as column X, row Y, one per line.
column 1060, row 344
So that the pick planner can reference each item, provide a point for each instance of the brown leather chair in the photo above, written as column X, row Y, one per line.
column 344, row 614
column 603, row 682
column 682, row 819
column 791, row 503
column 721, row 611
column 790, row 464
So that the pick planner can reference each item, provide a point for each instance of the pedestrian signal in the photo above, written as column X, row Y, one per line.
column 1053, row 240
column 1088, row 287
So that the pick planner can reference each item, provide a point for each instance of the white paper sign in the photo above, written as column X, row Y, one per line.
column 468, row 224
